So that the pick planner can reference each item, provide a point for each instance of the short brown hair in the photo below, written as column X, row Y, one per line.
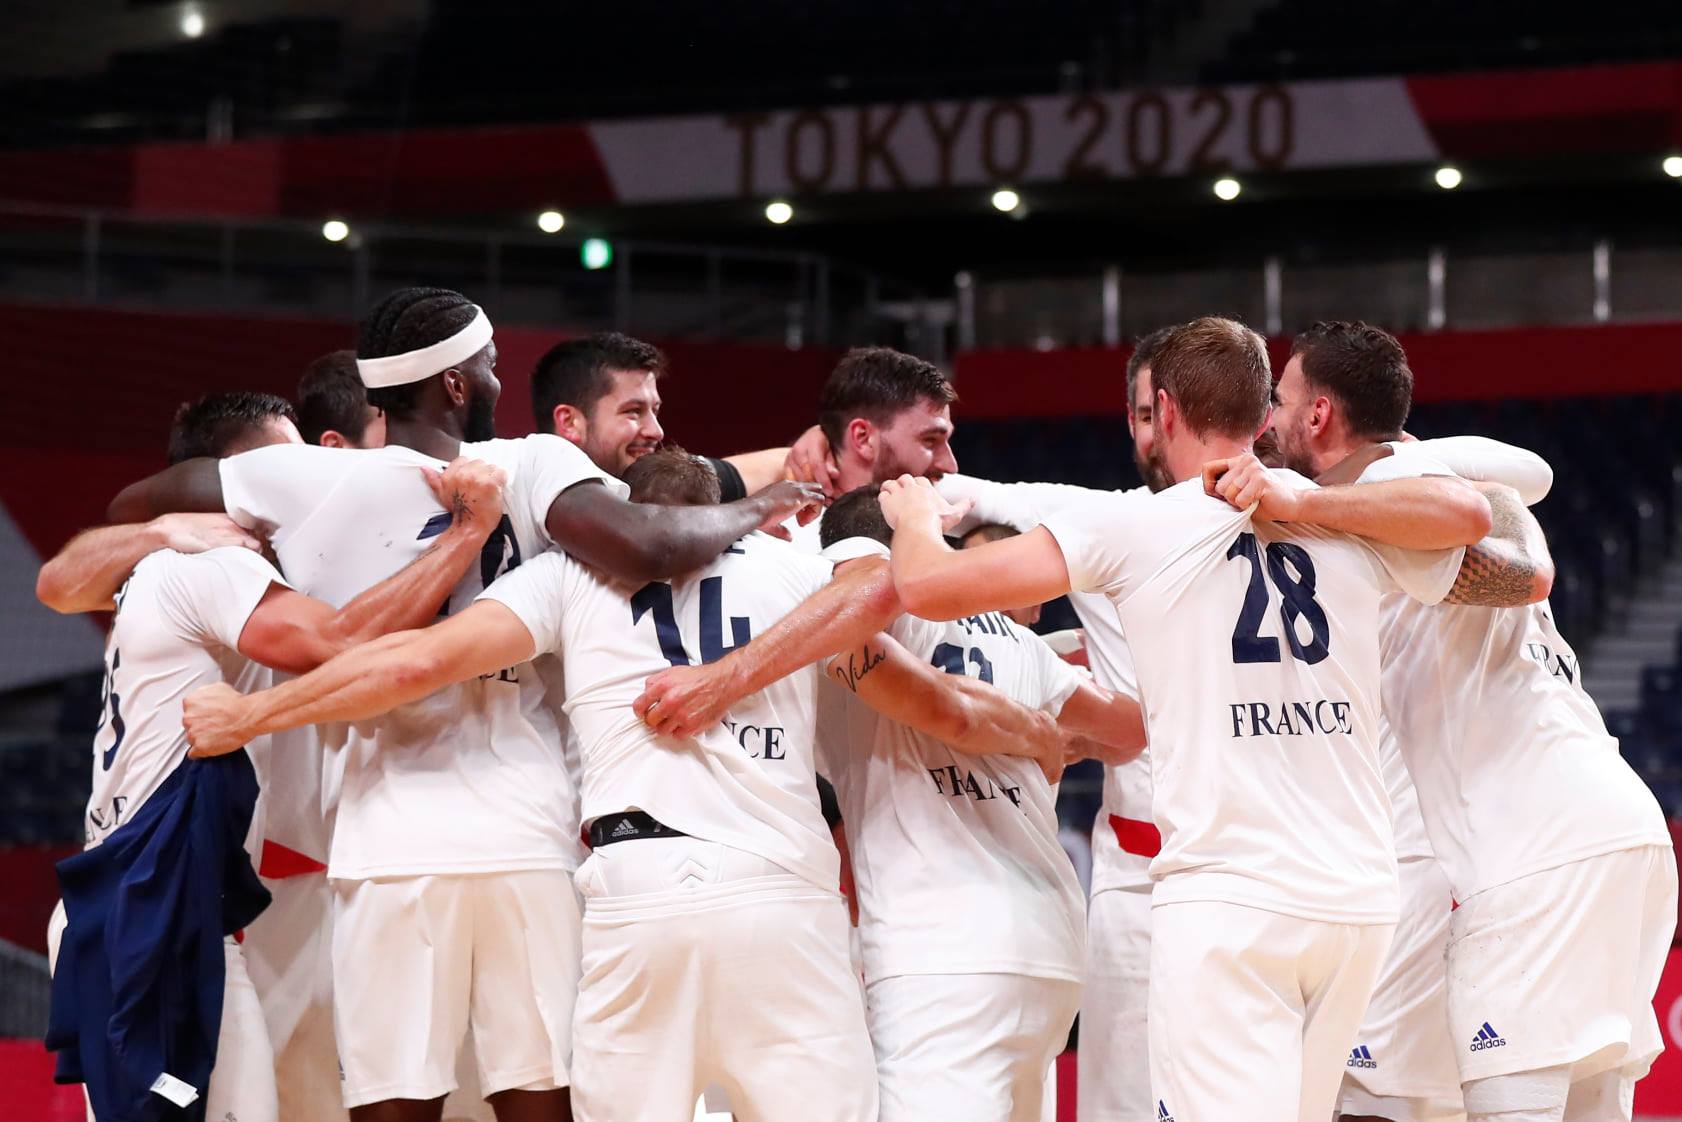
column 1143, row 351
column 331, row 396
column 857, row 514
column 876, row 383
column 673, row 477
column 1216, row 371
column 576, row 372
column 1365, row 369
column 989, row 532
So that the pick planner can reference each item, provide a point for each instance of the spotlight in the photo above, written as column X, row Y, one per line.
column 334, row 230
column 551, row 221
column 1673, row 166
column 192, row 23
column 778, row 212
column 1006, row 200
column 1448, row 177
column 1227, row 188
column 596, row 253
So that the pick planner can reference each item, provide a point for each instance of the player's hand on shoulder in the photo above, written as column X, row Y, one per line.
column 785, row 499
column 811, row 461
column 196, row 533
column 210, row 717
column 1246, row 482
column 682, row 701
column 471, row 490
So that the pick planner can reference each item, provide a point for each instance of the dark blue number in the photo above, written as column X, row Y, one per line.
column 1299, row 600
column 1247, row 644
column 500, row 553
column 657, row 598
column 712, row 623
column 109, row 705
column 1295, row 583
column 950, row 658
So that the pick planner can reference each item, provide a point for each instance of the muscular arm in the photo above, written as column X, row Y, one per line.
column 1111, row 719
column 936, row 582
column 646, row 541
column 363, row 681
column 85, row 575
column 1512, row 564
column 191, row 485
column 1428, row 512
column 969, row 715
column 291, row 631
column 858, row 603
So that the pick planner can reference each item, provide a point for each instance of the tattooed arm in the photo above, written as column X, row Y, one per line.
column 1511, row 565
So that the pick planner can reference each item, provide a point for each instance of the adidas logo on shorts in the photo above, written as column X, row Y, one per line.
column 1487, row 1038
column 624, row 828
column 1360, row 1057
column 1162, row 1114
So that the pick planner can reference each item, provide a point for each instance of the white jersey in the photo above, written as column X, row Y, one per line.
column 1258, row 651
column 747, row 782
column 1126, row 805
column 1515, row 770
column 177, row 628
column 946, row 842
column 469, row 779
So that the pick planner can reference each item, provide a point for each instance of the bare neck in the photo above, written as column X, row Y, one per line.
column 440, row 440
column 1187, row 458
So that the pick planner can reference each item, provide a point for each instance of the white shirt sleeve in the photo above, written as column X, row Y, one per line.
column 1490, row 461
column 280, row 485
column 556, row 464
column 211, row 595
column 536, row 592
column 1427, row 575
column 1094, row 537
column 1057, row 679
column 1021, row 506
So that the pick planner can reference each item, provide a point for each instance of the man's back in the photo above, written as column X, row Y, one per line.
column 942, row 841
column 1258, row 671
column 487, row 749
column 177, row 628
column 749, row 781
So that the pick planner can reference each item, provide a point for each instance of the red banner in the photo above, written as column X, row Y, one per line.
column 1660, row 1094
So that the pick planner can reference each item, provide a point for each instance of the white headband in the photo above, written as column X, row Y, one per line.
column 417, row 366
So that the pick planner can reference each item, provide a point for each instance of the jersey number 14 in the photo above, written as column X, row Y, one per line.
column 656, row 598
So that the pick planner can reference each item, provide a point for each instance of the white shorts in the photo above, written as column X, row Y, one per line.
column 417, row 960
column 967, row 1047
column 1560, row 967
column 1114, row 1058
column 705, row 964
column 242, row 1084
column 289, row 953
column 1402, row 1066
column 1253, row 1013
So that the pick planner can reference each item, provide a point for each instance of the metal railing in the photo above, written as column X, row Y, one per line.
column 1436, row 289
column 662, row 289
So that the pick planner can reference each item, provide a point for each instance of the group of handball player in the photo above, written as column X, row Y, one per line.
column 574, row 775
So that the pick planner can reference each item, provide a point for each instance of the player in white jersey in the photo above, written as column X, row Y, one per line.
column 1276, row 885
column 755, row 989
column 458, row 808
column 1113, row 1060
column 184, row 620
column 970, row 913
column 1558, row 855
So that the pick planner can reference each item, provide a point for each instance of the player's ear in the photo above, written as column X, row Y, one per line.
column 860, row 438
column 1320, row 414
column 333, row 438
column 570, row 422
column 1166, row 420
column 455, row 387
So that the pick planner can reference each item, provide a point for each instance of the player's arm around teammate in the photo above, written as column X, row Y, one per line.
column 86, row 573
column 364, row 681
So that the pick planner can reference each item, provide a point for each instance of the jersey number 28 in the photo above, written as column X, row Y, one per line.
column 1292, row 572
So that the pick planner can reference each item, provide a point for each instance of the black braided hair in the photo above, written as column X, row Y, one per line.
column 407, row 320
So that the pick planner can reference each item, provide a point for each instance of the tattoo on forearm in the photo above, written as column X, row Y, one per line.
column 1498, row 571
column 858, row 665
